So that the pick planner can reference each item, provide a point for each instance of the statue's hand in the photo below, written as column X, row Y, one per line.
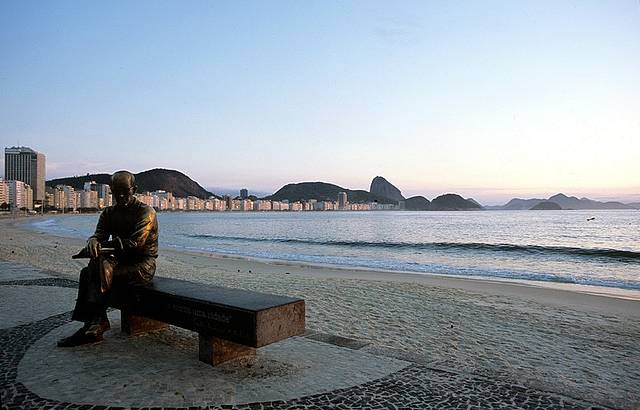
column 93, row 247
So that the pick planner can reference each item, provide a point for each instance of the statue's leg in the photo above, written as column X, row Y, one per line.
column 82, row 311
column 140, row 273
column 89, row 309
column 90, row 305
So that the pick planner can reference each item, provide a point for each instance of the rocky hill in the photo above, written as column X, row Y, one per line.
column 323, row 191
column 417, row 203
column 517, row 204
column 474, row 201
column 571, row 202
column 546, row 206
column 453, row 202
column 152, row 180
column 565, row 202
column 380, row 186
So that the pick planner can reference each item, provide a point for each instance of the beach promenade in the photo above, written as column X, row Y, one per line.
column 374, row 340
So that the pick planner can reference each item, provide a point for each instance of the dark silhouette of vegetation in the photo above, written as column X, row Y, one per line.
column 148, row 181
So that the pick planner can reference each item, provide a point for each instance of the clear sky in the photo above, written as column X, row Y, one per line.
column 489, row 99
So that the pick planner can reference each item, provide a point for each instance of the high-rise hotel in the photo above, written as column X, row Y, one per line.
column 26, row 165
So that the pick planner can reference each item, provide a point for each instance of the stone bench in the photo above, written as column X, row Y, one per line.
column 230, row 322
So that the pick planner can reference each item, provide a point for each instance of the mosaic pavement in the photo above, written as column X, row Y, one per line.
column 161, row 370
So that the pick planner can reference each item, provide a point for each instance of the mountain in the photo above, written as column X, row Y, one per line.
column 417, row 203
column 152, row 180
column 517, row 204
column 323, row 191
column 384, row 188
column 474, row 201
column 634, row 205
column 452, row 202
column 571, row 202
column 546, row 206
column 565, row 202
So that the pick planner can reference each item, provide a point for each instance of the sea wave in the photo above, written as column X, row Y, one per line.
column 424, row 268
column 617, row 254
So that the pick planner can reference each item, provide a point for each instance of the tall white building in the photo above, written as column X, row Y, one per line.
column 26, row 165
column 20, row 195
column 4, row 192
column 76, row 200
column 70, row 200
column 219, row 205
column 145, row 197
column 261, row 205
column 342, row 200
column 104, row 195
column 48, row 200
column 59, row 197
column 164, row 200
column 89, row 199
column 194, row 204
column 101, row 199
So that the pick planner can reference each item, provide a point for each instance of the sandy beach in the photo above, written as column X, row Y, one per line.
column 581, row 342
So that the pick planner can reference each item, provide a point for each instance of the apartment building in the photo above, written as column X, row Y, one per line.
column 26, row 165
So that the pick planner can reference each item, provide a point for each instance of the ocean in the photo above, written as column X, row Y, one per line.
column 582, row 247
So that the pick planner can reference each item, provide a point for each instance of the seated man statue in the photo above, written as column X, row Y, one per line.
column 129, row 230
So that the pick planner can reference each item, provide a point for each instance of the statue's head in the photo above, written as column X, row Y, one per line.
column 123, row 186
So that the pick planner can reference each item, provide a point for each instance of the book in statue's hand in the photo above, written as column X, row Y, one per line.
column 84, row 253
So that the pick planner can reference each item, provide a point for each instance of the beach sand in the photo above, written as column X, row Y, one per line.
column 580, row 342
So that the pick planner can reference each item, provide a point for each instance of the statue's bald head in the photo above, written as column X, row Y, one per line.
column 123, row 178
column 123, row 186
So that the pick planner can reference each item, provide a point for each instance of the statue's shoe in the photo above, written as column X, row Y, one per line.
column 97, row 329
column 82, row 337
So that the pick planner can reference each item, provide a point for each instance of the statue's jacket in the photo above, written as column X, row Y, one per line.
column 133, row 231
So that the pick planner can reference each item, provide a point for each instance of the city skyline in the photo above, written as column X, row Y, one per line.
column 244, row 192
column 489, row 100
column 25, row 169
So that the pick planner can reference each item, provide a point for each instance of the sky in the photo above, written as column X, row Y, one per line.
column 488, row 99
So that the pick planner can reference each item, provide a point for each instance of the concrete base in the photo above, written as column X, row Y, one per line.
column 214, row 351
column 137, row 325
column 147, row 371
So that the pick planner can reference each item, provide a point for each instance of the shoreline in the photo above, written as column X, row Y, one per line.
column 363, row 272
column 552, row 339
column 478, row 283
column 587, row 297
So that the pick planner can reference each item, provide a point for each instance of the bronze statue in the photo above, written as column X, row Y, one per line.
column 123, row 249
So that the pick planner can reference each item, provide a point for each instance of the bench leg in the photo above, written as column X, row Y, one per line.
column 136, row 325
column 213, row 350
